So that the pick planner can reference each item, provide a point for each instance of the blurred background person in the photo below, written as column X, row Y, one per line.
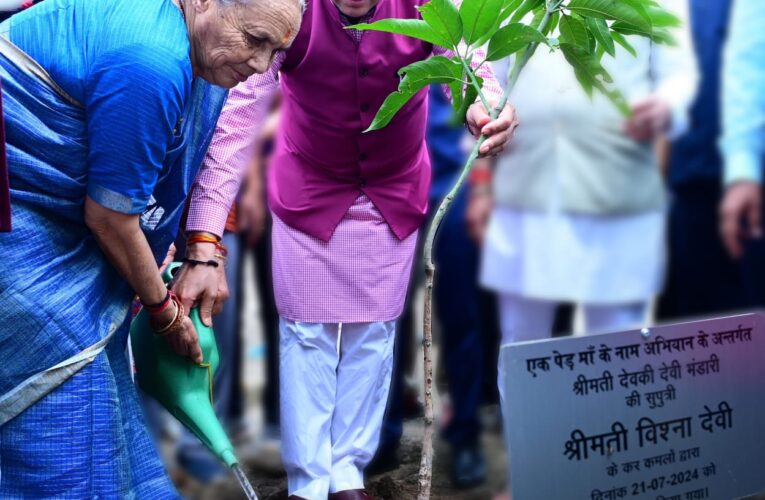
column 743, row 140
column 579, row 206
column 257, row 224
column 702, row 279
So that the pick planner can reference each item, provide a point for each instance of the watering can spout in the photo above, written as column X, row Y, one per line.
column 183, row 387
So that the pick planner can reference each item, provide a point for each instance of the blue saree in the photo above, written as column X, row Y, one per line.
column 70, row 422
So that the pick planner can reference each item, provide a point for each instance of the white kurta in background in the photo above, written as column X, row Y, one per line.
column 574, row 258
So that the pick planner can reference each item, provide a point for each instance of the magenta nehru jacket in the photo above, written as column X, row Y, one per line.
column 332, row 88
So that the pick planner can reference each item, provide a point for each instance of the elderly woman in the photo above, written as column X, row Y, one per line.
column 107, row 123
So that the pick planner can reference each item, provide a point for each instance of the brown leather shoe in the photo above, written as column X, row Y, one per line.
column 351, row 495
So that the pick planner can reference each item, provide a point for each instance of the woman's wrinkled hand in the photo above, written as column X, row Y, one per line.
column 183, row 339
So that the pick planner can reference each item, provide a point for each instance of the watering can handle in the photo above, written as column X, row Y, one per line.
column 169, row 272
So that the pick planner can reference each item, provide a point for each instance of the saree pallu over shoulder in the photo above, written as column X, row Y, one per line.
column 70, row 421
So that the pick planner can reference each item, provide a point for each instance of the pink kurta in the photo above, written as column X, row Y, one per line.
column 360, row 275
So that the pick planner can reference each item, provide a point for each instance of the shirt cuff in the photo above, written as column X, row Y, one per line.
column 210, row 218
column 742, row 166
column 116, row 201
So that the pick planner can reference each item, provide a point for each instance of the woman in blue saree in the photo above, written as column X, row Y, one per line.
column 109, row 109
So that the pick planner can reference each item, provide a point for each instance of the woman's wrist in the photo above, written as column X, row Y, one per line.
column 169, row 320
column 163, row 318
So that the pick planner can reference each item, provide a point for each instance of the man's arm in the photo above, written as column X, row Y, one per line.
column 743, row 139
column 217, row 185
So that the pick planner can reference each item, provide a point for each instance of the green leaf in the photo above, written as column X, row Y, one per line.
column 457, row 87
column 599, row 30
column 471, row 94
column 585, row 62
column 537, row 19
column 661, row 36
column 592, row 75
column 436, row 69
column 508, row 8
column 573, row 31
column 478, row 16
column 553, row 23
column 624, row 43
column 512, row 38
column 415, row 28
column 630, row 29
column 444, row 18
column 618, row 10
column 526, row 7
column 661, row 18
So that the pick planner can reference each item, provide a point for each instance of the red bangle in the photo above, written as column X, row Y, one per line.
column 160, row 306
column 480, row 176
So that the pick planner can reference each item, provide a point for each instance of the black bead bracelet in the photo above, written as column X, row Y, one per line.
column 195, row 263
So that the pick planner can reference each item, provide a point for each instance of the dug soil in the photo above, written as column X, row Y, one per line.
column 400, row 484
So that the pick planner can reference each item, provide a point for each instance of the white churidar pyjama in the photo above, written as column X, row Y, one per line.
column 334, row 383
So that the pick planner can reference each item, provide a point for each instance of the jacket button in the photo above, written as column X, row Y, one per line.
column 365, row 106
column 362, row 182
column 363, row 72
column 362, row 156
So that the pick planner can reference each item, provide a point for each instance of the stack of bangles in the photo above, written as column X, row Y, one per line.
column 480, row 181
column 176, row 324
column 221, row 252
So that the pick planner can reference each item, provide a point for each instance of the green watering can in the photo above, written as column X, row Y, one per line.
column 183, row 387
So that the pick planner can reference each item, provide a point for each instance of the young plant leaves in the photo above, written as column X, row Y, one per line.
column 598, row 28
column 591, row 74
column 572, row 30
column 508, row 8
column 471, row 94
column 444, row 18
column 624, row 43
column 415, row 28
column 618, row 10
column 478, row 17
column 436, row 69
column 526, row 7
column 512, row 38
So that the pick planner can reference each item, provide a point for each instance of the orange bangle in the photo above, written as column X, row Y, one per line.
column 201, row 238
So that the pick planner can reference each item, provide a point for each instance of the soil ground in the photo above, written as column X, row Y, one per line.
column 400, row 484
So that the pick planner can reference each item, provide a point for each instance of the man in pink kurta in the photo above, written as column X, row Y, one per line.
column 346, row 209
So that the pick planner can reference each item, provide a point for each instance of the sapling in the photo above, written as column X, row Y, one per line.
column 584, row 30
